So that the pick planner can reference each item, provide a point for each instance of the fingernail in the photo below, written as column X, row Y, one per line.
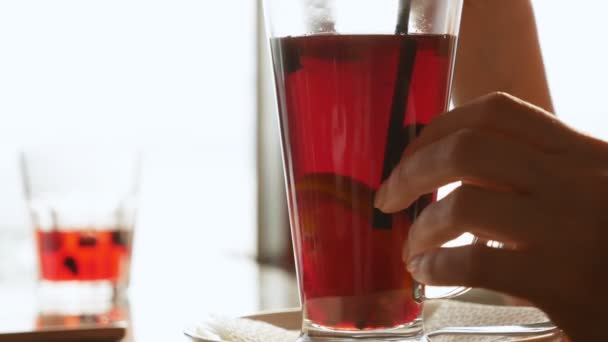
column 409, row 246
column 413, row 265
column 381, row 195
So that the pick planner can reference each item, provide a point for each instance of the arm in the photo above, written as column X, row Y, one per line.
column 499, row 51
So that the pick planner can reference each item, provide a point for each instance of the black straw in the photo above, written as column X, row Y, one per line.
column 403, row 20
column 396, row 138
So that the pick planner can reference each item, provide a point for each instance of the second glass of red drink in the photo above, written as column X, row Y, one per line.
column 82, row 202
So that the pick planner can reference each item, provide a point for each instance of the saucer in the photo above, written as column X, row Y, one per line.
column 291, row 319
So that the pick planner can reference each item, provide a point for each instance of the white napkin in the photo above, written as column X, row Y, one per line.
column 243, row 330
column 437, row 314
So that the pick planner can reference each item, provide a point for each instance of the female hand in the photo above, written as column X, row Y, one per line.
column 528, row 181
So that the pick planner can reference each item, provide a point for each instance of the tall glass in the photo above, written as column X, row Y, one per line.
column 82, row 201
column 356, row 82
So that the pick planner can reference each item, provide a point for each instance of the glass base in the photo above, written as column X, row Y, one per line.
column 411, row 332
column 67, row 297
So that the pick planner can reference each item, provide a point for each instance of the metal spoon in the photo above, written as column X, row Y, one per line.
column 520, row 330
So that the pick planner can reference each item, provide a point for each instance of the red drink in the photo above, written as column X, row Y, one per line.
column 84, row 255
column 349, row 105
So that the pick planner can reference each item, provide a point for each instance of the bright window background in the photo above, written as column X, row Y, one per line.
column 176, row 77
column 573, row 36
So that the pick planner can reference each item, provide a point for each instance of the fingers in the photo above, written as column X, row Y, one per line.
column 477, row 266
column 500, row 113
column 469, row 156
column 499, row 216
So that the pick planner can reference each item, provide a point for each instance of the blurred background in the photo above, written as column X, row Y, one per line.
column 189, row 82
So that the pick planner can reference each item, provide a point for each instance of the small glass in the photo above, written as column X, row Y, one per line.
column 356, row 82
column 82, row 202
